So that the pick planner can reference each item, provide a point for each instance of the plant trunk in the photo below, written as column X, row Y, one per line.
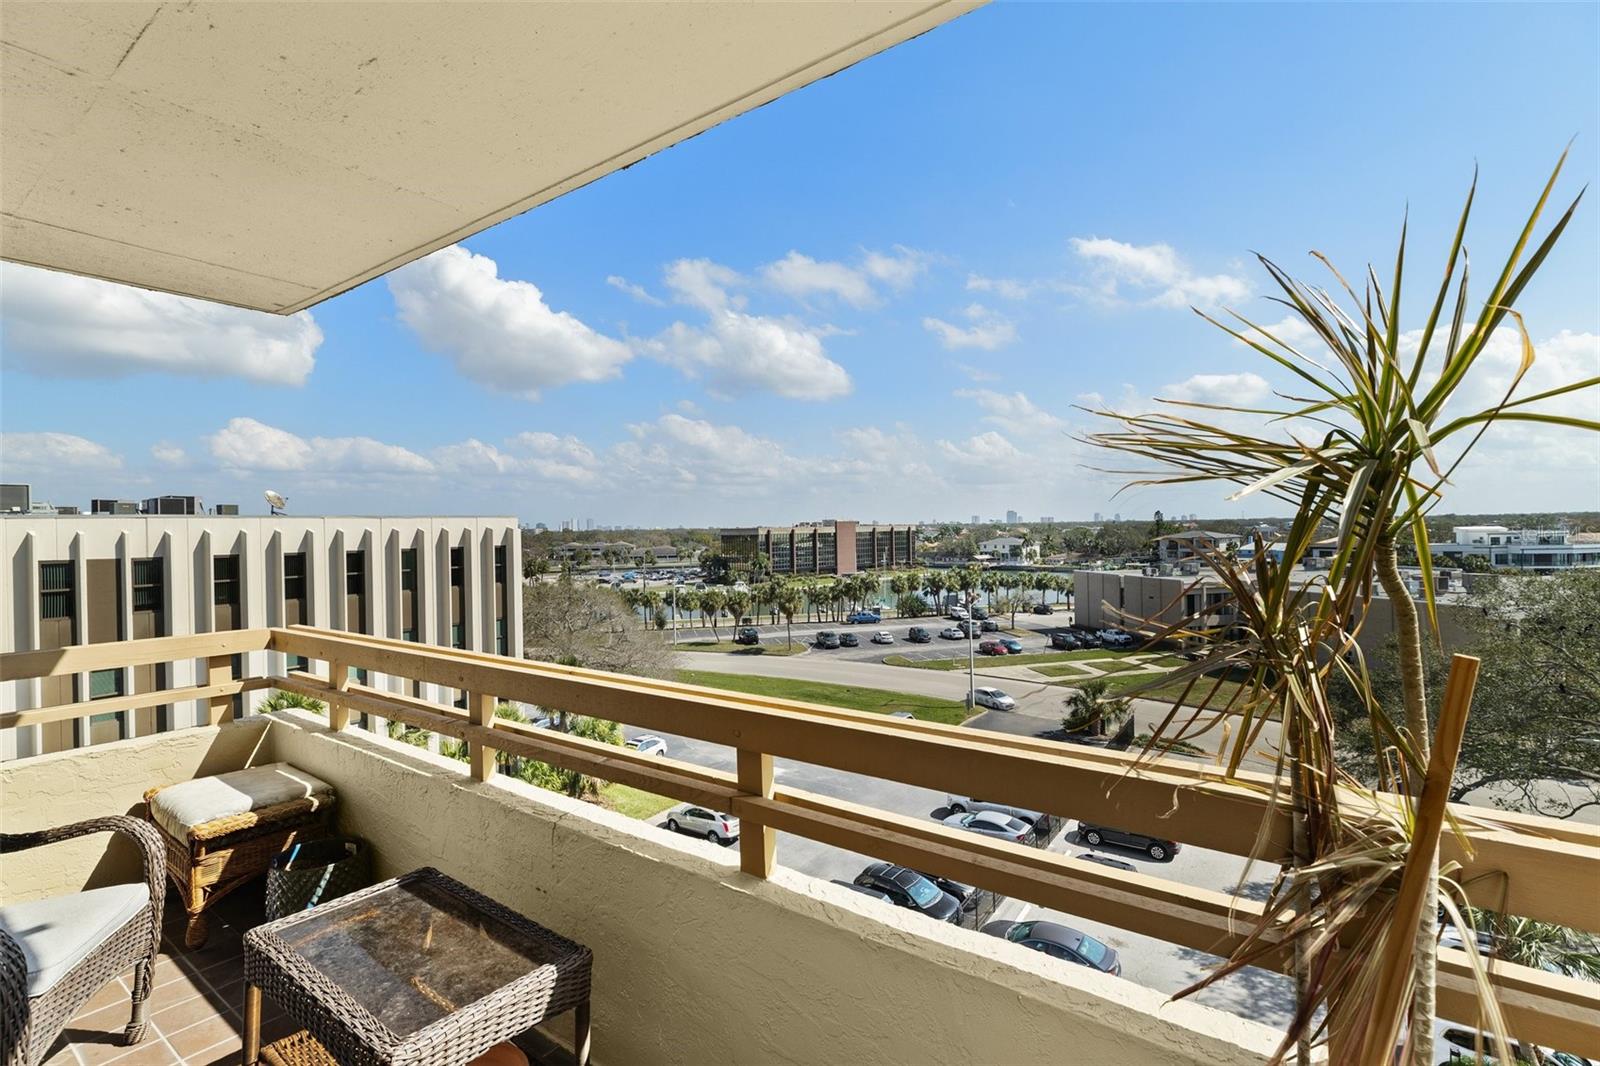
column 1413, row 686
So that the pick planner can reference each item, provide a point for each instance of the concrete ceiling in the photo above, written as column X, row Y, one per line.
column 273, row 155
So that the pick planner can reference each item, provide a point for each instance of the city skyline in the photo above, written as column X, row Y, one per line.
column 887, row 294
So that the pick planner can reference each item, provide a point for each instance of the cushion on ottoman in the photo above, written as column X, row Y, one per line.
column 180, row 808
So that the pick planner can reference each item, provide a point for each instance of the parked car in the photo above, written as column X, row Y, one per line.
column 1088, row 639
column 1158, row 849
column 883, row 636
column 957, row 614
column 952, row 633
column 849, row 640
column 979, row 613
column 747, row 635
column 918, row 635
column 902, row 714
column 969, row 628
column 1065, row 641
column 958, row 804
column 993, row 698
column 988, row 625
column 864, row 890
column 864, row 618
column 1041, row 608
column 827, row 639
column 991, row 647
column 1116, row 638
column 648, row 744
column 1012, row 645
column 1106, row 860
column 1060, row 941
column 955, row 888
column 631, row 575
column 604, row 573
column 698, row 821
column 907, row 888
column 991, row 824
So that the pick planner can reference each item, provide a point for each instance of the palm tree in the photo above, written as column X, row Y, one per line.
column 737, row 604
column 1362, row 448
column 991, row 582
column 712, row 602
column 688, row 601
column 934, row 583
column 1089, row 705
column 650, row 600
column 788, row 600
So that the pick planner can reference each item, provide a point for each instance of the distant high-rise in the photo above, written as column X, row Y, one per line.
column 1047, row 519
column 1097, row 517
column 1012, row 518
column 1117, row 517
column 974, row 519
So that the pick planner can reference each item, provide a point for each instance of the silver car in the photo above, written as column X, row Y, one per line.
column 648, row 744
column 993, row 698
column 699, row 821
column 962, row 804
column 992, row 824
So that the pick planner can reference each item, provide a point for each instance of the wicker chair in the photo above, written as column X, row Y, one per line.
column 214, row 858
column 57, row 953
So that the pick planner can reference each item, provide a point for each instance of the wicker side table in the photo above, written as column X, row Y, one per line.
column 417, row 970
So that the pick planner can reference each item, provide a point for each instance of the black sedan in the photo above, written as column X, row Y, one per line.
column 1061, row 941
column 1158, row 849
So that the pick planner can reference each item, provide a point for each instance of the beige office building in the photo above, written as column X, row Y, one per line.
column 85, row 579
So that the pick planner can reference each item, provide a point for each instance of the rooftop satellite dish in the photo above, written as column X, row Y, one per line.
column 275, row 503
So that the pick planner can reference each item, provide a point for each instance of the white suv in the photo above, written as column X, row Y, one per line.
column 703, row 822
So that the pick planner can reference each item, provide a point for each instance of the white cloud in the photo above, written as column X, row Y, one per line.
column 736, row 353
column 704, row 284
column 638, row 292
column 1005, row 288
column 981, row 450
column 1238, row 390
column 537, row 455
column 499, row 332
column 1155, row 274
column 49, row 452
column 802, row 277
column 246, row 444
column 988, row 331
column 1014, row 409
column 168, row 454
column 63, row 325
column 684, row 454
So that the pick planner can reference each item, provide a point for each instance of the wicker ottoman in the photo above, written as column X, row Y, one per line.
column 222, row 831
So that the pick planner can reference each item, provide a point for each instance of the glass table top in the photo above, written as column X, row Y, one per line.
column 415, row 952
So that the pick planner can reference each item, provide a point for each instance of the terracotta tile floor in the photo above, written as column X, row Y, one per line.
column 195, row 1011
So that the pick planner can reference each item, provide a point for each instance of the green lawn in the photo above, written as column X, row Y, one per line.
column 876, row 700
column 1172, row 691
column 960, row 662
column 633, row 802
column 728, row 647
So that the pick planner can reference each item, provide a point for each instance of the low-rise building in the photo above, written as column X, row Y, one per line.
column 1540, row 551
column 1009, row 549
column 97, row 578
column 1193, row 543
column 837, row 547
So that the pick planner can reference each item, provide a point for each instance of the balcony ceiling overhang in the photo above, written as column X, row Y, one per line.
column 273, row 155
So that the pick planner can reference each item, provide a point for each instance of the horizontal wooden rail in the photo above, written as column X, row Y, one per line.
column 110, row 704
column 1552, row 1010
column 1510, row 870
column 108, row 655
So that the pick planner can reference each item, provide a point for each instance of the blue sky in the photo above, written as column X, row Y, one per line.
column 880, row 296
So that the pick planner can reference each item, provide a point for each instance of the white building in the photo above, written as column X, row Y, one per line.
column 1009, row 549
column 1191, row 543
column 1538, row 550
column 90, row 578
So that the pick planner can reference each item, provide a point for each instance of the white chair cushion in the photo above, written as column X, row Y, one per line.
column 56, row 933
column 182, row 807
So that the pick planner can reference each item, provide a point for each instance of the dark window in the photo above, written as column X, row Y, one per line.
column 461, row 700
column 408, row 570
column 458, row 566
column 408, row 634
column 55, row 591
column 359, row 674
column 500, row 636
column 294, row 576
column 355, row 573
column 457, row 635
column 148, row 581
column 225, row 579
column 500, row 564
column 297, row 662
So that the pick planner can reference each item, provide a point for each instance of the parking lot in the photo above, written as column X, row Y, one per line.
column 1258, row 995
column 1032, row 629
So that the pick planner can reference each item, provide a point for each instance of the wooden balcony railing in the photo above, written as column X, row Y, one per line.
column 1518, row 864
